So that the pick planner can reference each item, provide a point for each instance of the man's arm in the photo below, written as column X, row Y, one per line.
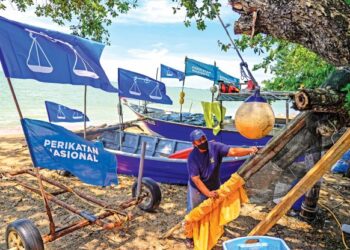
column 242, row 151
column 201, row 186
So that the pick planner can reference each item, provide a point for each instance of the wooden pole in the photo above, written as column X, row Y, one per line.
column 212, row 93
column 36, row 170
column 85, row 92
column 287, row 112
column 321, row 167
column 182, row 89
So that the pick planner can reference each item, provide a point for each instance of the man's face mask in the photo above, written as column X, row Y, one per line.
column 203, row 146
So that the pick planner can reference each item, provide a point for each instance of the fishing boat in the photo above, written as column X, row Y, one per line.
column 178, row 125
column 157, row 165
column 168, row 124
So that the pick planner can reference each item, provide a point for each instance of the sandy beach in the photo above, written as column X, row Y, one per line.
column 143, row 231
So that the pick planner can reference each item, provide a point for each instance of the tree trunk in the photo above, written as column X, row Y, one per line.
column 327, row 99
column 322, row 26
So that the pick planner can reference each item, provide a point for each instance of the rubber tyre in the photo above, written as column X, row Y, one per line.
column 28, row 233
column 149, row 204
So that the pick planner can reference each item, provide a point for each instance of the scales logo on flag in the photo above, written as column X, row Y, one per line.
column 36, row 55
column 141, row 87
column 59, row 113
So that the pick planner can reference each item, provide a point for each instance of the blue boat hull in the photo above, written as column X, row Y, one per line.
column 169, row 171
column 180, row 131
column 127, row 148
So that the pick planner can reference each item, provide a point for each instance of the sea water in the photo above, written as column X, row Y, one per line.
column 101, row 106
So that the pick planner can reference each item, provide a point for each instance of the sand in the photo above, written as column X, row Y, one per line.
column 144, row 230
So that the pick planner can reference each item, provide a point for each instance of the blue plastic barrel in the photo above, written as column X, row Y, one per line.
column 258, row 243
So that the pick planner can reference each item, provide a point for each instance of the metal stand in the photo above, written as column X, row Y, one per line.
column 140, row 175
column 46, row 203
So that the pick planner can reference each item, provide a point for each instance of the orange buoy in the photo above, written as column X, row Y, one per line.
column 254, row 118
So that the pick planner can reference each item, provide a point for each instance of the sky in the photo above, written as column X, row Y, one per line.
column 151, row 34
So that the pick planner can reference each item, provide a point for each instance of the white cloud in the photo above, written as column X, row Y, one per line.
column 146, row 54
column 161, row 11
column 29, row 17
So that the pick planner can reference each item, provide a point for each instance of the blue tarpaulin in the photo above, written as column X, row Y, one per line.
column 343, row 164
column 29, row 52
column 59, row 113
column 168, row 72
column 54, row 147
column 141, row 87
column 193, row 67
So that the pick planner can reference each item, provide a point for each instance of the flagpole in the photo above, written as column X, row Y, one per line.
column 85, row 93
column 182, row 90
column 46, row 203
column 212, row 92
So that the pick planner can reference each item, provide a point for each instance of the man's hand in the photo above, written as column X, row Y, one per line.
column 254, row 150
column 213, row 194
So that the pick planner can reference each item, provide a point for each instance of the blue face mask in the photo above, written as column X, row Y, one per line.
column 203, row 146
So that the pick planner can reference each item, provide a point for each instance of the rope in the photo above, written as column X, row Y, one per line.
column 336, row 219
column 245, row 72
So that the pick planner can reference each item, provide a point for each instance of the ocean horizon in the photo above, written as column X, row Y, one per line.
column 101, row 106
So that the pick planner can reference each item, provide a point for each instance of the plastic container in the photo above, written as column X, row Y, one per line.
column 259, row 243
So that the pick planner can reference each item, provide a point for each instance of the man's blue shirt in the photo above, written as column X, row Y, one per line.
column 207, row 165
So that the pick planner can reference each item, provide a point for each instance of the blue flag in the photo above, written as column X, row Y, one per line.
column 168, row 72
column 29, row 52
column 141, row 87
column 54, row 147
column 193, row 67
column 222, row 76
column 59, row 113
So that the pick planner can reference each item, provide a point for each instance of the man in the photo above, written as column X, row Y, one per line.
column 204, row 168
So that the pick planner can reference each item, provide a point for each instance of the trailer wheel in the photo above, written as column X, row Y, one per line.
column 152, row 190
column 64, row 173
column 23, row 234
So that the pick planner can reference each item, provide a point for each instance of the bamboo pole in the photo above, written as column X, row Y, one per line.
column 309, row 180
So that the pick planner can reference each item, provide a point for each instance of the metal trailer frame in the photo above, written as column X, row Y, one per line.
column 88, row 218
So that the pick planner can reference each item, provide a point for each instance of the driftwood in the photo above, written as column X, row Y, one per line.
column 321, row 26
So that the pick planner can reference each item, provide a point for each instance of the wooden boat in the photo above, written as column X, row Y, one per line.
column 127, row 148
column 167, row 124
